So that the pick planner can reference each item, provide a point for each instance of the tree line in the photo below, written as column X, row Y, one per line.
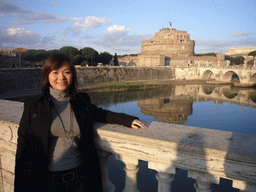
column 84, row 56
column 89, row 56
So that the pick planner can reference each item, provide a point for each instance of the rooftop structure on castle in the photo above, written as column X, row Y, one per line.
column 240, row 51
column 169, row 42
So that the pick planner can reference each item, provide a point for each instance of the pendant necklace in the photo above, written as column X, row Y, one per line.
column 69, row 135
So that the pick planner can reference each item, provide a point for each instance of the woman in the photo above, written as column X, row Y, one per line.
column 56, row 149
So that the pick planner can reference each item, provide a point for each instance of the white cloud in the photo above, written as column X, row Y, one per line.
column 42, row 17
column 47, row 39
column 117, row 29
column 17, row 31
column 20, row 37
column 119, row 40
column 241, row 34
column 23, row 16
column 90, row 22
column 6, row 8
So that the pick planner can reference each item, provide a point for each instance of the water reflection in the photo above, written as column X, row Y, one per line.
column 175, row 104
column 169, row 110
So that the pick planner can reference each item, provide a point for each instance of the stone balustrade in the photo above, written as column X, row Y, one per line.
column 227, row 67
column 207, row 154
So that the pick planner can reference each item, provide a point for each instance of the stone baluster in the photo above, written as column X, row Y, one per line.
column 103, row 158
column 131, row 170
column 203, row 181
column 164, row 175
column 1, row 177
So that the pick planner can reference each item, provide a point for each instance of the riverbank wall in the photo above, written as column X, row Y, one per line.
column 29, row 79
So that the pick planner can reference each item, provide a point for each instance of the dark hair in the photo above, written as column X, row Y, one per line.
column 55, row 61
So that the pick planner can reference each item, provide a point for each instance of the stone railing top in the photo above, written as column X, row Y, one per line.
column 226, row 67
column 197, row 140
column 11, row 111
column 221, row 153
column 194, row 139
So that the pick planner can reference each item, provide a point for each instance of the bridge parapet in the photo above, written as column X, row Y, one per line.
column 229, row 67
column 207, row 154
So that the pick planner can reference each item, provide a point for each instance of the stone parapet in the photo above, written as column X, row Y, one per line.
column 207, row 154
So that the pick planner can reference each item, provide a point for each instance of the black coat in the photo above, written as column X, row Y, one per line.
column 31, row 168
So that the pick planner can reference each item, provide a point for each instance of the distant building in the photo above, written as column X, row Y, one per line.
column 10, row 57
column 12, row 52
column 171, row 47
column 240, row 51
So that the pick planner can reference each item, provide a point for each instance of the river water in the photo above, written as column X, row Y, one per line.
column 214, row 107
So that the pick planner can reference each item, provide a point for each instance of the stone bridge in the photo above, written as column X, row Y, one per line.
column 246, row 76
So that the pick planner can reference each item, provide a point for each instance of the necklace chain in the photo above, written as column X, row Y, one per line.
column 69, row 135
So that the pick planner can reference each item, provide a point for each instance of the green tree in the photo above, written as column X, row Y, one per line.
column 115, row 60
column 72, row 52
column 253, row 53
column 104, row 58
column 133, row 54
column 53, row 51
column 239, row 60
column 206, row 54
column 78, row 60
column 235, row 61
column 33, row 55
column 89, row 55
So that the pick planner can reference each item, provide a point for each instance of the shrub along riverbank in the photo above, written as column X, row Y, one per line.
column 121, row 86
column 124, row 86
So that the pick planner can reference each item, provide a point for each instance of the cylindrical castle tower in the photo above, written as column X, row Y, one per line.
column 169, row 42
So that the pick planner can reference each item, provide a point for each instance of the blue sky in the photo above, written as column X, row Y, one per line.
column 119, row 26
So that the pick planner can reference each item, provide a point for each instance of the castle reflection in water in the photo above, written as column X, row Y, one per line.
column 174, row 104
column 176, row 108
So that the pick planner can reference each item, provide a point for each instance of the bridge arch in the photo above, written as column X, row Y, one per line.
column 252, row 95
column 230, row 92
column 208, row 89
column 231, row 76
column 208, row 74
column 253, row 79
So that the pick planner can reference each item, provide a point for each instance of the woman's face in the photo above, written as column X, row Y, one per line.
column 61, row 78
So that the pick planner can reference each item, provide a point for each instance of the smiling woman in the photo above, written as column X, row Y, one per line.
column 61, row 78
column 56, row 150
column 59, row 74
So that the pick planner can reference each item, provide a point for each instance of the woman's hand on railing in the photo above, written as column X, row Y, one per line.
column 136, row 124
